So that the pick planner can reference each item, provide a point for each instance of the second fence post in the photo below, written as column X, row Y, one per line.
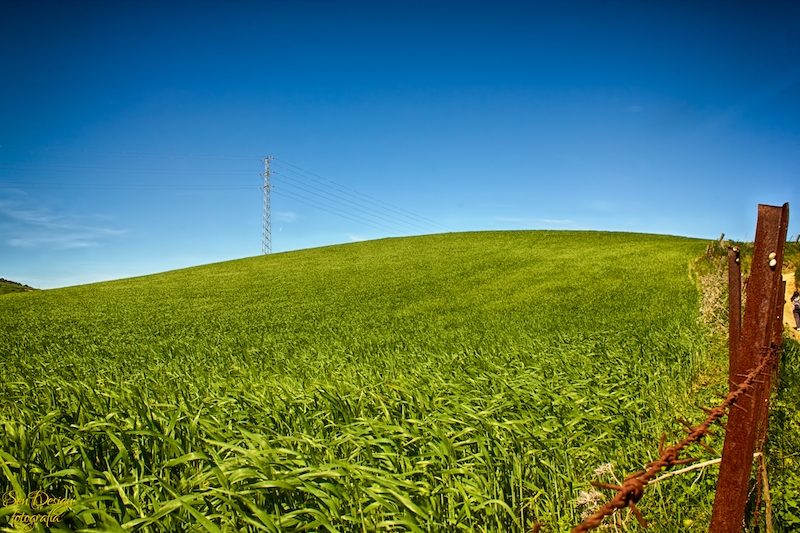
column 734, row 307
column 757, row 336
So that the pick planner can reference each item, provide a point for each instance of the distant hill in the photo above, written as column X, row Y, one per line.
column 7, row 286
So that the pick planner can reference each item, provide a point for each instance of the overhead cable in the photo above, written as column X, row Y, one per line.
column 334, row 184
column 344, row 202
column 292, row 195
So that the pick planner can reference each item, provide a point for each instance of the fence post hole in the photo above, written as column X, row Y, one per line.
column 762, row 288
column 734, row 307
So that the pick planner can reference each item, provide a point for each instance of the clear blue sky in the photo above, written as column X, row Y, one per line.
column 132, row 133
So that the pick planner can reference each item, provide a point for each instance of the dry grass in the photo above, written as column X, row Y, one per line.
column 714, row 297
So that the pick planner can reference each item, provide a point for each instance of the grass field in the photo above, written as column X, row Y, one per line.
column 458, row 382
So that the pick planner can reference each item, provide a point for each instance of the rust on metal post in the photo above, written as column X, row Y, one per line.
column 734, row 307
column 780, row 302
column 758, row 330
column 777, row 335
column 771, row 375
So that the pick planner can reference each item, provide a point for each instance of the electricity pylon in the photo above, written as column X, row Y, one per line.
column 266, row 227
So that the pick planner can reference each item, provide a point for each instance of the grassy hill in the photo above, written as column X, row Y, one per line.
column 459, row 382
column 7, row 286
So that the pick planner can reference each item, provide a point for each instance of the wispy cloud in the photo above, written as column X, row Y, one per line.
column 557, row 222
column 356, row 238
column 515, row 219
column 285, row 216
column 764, row 94
column 497, row 206
column 41, row 228
column 539, row 221
column 601, row 205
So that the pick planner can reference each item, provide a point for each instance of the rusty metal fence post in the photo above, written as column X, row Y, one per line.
column 734, row 307
column 757, row 344
column 777, row 342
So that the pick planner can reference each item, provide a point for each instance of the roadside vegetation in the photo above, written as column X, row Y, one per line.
column 782, row 446
column 783, row 440
column 457, row 382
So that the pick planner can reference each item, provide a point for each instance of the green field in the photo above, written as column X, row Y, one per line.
column 457, row 382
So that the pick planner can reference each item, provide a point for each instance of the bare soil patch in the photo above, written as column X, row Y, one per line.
column 788, row 317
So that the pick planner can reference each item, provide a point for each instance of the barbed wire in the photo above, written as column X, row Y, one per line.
column 632, row 488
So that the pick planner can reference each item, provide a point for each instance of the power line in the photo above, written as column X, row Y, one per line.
column 36, row 167
column 362, row 194
column 169, row 155
column 325, row 194
column 323, row 197
column 266, row 229
column 357, row 218
column 360, row 208
column 101, row 186
column 356, row 200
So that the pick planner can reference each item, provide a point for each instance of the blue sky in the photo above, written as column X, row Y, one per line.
column 132, row 133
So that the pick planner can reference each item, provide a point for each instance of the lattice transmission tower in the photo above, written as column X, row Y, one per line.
column 266, row 227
